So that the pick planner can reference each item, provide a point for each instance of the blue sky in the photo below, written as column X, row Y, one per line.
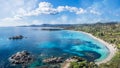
column 27, row 12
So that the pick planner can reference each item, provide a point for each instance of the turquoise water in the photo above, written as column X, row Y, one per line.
column 43, row 44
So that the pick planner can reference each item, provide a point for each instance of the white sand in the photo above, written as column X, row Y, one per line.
column 111, row 48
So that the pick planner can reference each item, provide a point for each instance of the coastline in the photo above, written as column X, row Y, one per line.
column 111, row 48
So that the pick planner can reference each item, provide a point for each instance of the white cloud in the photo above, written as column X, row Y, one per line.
column 75, row 10
column 63, row 19
column 12, row 23
column 60, row 8
column 11, row 8
column 12, row 11
column 11, row 19
column 26, row 9
column 37, row 22
column 95, row 12
column 44, row 8
column 47, row 8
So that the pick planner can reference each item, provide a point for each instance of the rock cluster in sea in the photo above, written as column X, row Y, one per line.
column 16, row 37
column 21, row 58
column 53, row 60
column 75, row 59
column 52, row 29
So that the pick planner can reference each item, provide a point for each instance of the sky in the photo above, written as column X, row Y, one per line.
column 28, row 12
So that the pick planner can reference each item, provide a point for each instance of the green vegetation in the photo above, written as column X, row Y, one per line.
column 109, row 32
column 83, row 64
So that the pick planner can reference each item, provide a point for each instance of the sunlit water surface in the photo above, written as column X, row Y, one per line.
column 43, row 44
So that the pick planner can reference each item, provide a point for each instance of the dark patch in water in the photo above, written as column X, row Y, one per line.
column 90, row 55
column 92, row 45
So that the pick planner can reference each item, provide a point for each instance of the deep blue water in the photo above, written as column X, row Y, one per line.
column 43, row 44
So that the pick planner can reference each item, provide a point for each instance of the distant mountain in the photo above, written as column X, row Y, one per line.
column 63, row 25
column 50, row 25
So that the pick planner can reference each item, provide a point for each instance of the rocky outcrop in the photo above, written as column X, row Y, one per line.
column 68, row 61
column 16, row 37
column 75, row 59
column 21, row 58
column 53, row 60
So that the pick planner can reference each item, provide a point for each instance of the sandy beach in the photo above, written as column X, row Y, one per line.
column 111, row 48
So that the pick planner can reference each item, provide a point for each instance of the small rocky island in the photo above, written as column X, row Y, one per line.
column 22, row 58
column 52, row 29
column 16, row 37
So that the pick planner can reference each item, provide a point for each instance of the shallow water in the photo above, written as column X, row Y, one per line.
column 43, row 44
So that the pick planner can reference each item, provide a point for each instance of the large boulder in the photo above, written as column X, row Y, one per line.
column 21, row 58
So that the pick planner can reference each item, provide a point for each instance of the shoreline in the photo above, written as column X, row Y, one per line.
column 111, row 48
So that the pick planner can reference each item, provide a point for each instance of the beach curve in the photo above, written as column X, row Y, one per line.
column 111, row 47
